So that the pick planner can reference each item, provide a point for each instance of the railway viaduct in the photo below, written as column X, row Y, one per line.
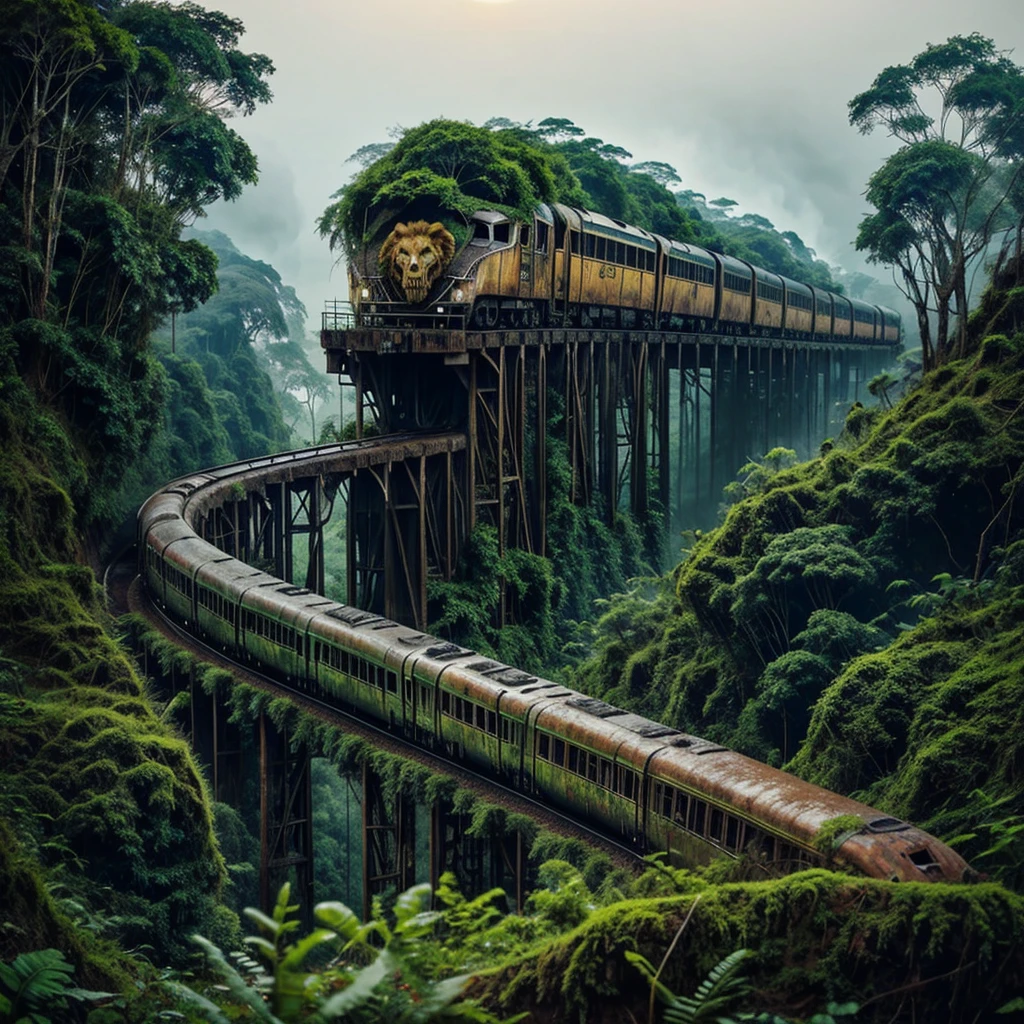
column 649, row 421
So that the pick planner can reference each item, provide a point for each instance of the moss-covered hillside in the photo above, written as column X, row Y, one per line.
column 861, row 618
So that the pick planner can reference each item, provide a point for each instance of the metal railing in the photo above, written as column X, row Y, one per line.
column 390, row 317
column 338, row 315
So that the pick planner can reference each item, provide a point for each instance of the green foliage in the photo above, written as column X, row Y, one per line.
column 95, row 258
column 956, row 182
column 718, row 992
column 812, row 949
column 39, row 981
column 392, row 986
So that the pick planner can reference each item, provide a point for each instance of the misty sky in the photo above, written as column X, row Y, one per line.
column 745, row 99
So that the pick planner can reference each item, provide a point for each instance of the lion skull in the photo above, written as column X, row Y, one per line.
column 415, row 255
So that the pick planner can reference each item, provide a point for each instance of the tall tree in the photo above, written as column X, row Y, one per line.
column 941, row 199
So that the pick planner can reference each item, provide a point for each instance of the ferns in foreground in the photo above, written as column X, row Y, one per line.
column 36, row 984
column 375, row 972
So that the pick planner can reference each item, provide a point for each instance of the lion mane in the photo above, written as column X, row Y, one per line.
column 414, row 256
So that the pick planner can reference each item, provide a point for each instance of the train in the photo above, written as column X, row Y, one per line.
column 649, row 785
column 576, row 268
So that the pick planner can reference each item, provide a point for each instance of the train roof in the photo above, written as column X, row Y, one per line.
column 692, row 252
column 796, row 286
column 598, row 223
column 735, row 266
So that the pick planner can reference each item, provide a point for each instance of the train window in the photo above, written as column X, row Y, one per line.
column 631, row 255
column 620, row 252
column 601, row 249
column 682, row 802
column 627, row 782
column 592, row 760
column 574, row 240
column 481, row 717
column 574, row 759
column 589, row 245
column 716, row 824
column 492, row 723
column 482, row 232
column 501, row 232
column 668, row 792
column 558, row 752
column 607, row 773
column 524, row 236
column 298, row 644
column 732, row 833
column 543, row 747
column 446, row 704
column 425, row 696
column 542, row 237
column 695, row 816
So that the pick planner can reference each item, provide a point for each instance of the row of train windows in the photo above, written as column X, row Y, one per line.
column 179, row 580
column 769, row 292
column 607, row 250
column 218, row 605
column 723, row 829
column 473, row 715
column 800, row 301
column 358, row 668
column 590, row 766
column 690, row 271
column 824, row 307
column 736, row 282
column 274, row 631
column 864, row 316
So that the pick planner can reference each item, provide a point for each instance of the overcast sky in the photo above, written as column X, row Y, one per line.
column 746, row 99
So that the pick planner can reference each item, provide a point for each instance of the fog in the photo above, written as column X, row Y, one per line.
column 747, row 100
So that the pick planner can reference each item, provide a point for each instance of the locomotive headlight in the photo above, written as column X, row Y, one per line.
column 365, row 293
column 459, row 295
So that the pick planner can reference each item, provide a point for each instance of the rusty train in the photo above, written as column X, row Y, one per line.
column 576, row 268
column 648, row 784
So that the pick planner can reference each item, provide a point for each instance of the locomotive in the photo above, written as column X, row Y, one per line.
column 649, row 784
column 575, row 268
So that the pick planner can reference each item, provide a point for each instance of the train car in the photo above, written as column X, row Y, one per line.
column 891, row 324
column 822, row 328
column 866, row 322
column 688, row 297
column 768, row 306
column 842, row 318
column 799, row 309
column 611, row 276
column 735, row 294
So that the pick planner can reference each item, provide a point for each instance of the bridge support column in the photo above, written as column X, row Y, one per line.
column 286, row 818
column 608, row 428
column 637, row 408
column 389, row 841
